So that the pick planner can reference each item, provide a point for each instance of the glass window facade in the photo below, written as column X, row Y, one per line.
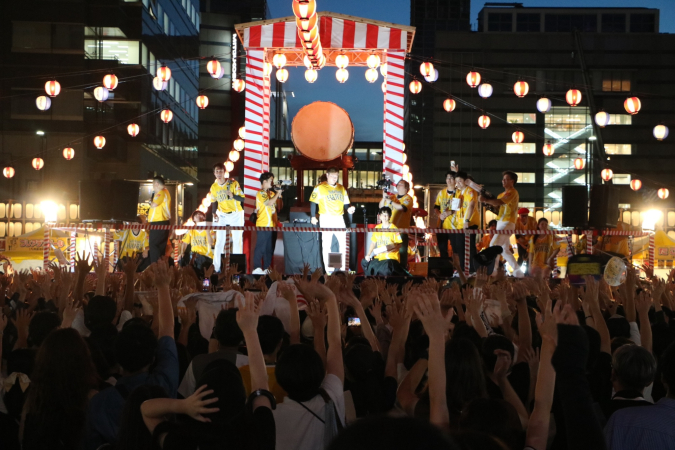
column 500, row 22
column 525, row 147
column 618, row 149
column 521, row 118
column 528, row 22
column 616, row 81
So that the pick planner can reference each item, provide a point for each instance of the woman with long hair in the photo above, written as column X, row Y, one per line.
column 62, row 382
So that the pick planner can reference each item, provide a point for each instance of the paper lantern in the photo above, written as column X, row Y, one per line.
column 373, row 61
column 606, row 174
column 242, row 132
column 52, row 88
column 521, row 88
column 473, row 79
column 164, row 73
column 342, row 75
column 43, row 102
column 133, row 129
column 311, row 75
column 239, row 84
column 38, row 163
column 405, row 169
column 304, row 9
column 484, row 121
column 110, row 82
column 159, row 85
column 548, row 149
column 322, row 60
column 238, row 144
column 99, row 142
column 371, row 75
column 229, row 166
column 383, row 69
column 573, row 97
column 267, row 69
column 544, row 105
column 660, row 131
column 632, row 105
column 234, row 155
column 579, row 163
column 282, row 75
column 308, row 35
column 663, row 193
column 449, row 105
column 518, row 137
column 202, row 101
column 384, row 86
column 68, row 153
column 308, row 23
column 101, row 94
column 433, row 77
column 635, row 184
column 485, row 90
column 8, row 172
column 415, row 87
column 166, row 115
column 602, row 119
column 342, row 61
column 426, row 69
column 279, row 60
column 213, row 68
column 404, row 157
column 220, row 74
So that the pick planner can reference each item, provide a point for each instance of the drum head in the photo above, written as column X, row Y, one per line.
column 322, row 131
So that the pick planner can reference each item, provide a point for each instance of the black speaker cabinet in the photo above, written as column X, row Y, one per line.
column 604, row 212
column 574, row 206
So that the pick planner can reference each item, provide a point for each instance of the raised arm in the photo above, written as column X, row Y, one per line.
column 317, row 315
column 165, row 314
column 156, row 410
column 348, row 297
column 643, row 304
column 591, row 295
column 129, row 275
column 524, row 325
column 247, row 319
column 289, row 295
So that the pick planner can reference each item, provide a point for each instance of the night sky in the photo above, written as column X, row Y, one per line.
column 362, row 100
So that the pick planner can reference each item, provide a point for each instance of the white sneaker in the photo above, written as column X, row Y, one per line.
column 518, row 273
column 259, row 271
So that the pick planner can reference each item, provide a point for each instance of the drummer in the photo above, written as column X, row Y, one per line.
column 401, row 205
column 331, row 198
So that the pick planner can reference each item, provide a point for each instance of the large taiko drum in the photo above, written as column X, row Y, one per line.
column 322, row 131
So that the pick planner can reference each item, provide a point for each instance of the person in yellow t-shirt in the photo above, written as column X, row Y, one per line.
column 525, row 222
column 445, row 212
column 543, row 250
column 159, row 214
column 226, row 200
column 507, row 202
column 331, row 198
column 201, row 245
column 401, row 205
column 466, row 217
column 384, row 246
column 131, row 244
column 267, row 200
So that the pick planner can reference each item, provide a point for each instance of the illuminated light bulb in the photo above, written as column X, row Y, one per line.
column 373, row 61
column 279, row 60
column 311, row 75
column 371, row 75
column 342, row 75
column 282, row 75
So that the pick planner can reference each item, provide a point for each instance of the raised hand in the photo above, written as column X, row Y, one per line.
column 247, row 315
column 643, row 303
column 161, row 273
column 274, row 275
column 195, row 405
column 286, row 291
column 317, row 314
column 209, row 271
column 82, row 263
column 428, row 310
column 69, row 313
column 376, row 311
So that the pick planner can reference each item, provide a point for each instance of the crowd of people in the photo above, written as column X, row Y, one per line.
column 144, row 360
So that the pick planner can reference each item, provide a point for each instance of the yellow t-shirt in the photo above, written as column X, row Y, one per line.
column 468, row 195
column 199, row 242
column 384, row 239
column 219, row 194
column 541, row 249
column 131, row 243
column 331, row 199
column 444, row 202
column 275, row 389
column 163, row 209
column 401, row 218
column 267, row 215
column 508, row 211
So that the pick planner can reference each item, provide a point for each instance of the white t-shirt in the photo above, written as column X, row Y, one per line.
column 189, row 385
column 297, row 428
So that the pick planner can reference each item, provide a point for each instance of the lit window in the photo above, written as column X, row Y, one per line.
column 620, row 119
column 621, row 178
column 521, row 118
column 526, row 177
column 528, row 147
column 616, row 81
column 126, row 52
column 618, row 149
column 624, row 205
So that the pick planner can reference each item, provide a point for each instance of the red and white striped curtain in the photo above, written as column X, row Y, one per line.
column 394, row 100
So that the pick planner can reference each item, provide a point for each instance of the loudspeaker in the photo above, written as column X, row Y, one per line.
column 441, row 267
column 240, row 260
column 109, row 200
column 604, row 211
column 574, row 206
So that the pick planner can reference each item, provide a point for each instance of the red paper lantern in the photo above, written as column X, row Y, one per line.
column 166, row 116
column 518, row 137
column 8, row 172
column 632, row 105
column 99, row 142
column 110, row 81
column 579, row 163
column 473, row 79
column 426, row 69
column 52, row 88
column 238, row 84
column 573, row 97
column 38, row 163
column 415, row 87
column 548, row 149
column 484, row 121
column 304, row 9
column 449, row 105
column 521, row 88
column 202, row 101
column 635, row 184
column 213, row 68
column 663, row 193
column 164, row 73
column 68, row 153
column 133, row 130
column 606, row 174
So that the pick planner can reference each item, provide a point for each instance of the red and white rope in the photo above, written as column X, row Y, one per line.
column 72, row 250
column 45, row 247
column 257, row 126
column 394, row 100
column 467, row 253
